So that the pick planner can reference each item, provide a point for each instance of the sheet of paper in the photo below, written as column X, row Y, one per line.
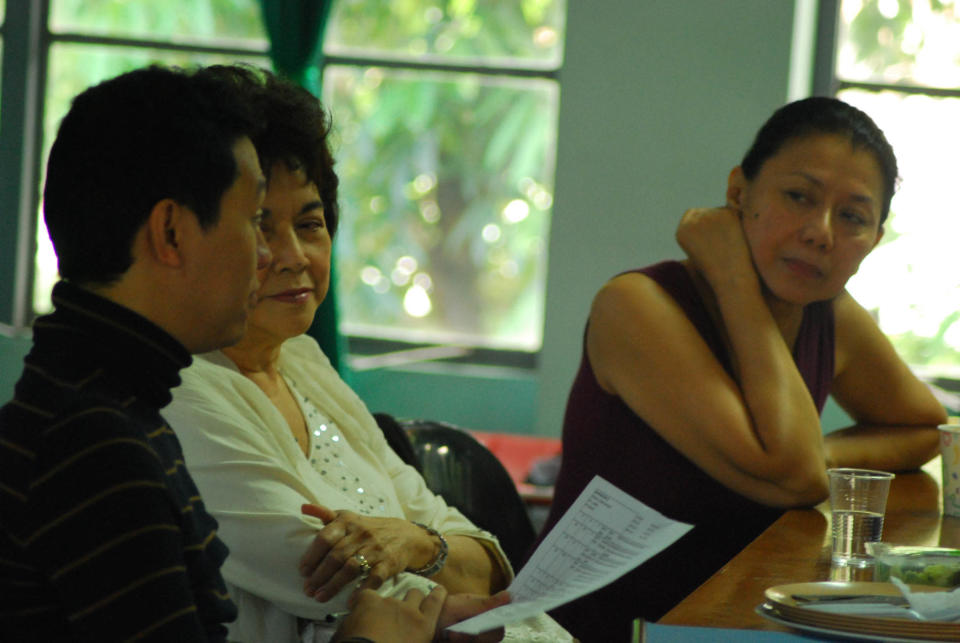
column 605, row 534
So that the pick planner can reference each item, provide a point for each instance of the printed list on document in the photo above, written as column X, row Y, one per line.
column 605, row 534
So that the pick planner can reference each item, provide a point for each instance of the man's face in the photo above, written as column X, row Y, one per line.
column 223, row 273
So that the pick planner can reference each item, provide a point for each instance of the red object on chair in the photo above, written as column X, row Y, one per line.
column 518, row 453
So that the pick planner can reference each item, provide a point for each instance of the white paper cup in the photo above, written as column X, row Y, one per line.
column 950, row 457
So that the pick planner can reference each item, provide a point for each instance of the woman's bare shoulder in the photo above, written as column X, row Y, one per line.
column 631, row 297
column 627, row 287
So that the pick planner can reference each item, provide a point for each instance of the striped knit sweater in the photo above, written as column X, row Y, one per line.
column 103, row 536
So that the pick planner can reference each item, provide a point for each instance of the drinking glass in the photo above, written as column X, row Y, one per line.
column 858, row 500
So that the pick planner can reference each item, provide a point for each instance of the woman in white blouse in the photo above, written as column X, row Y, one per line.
column 267, row 426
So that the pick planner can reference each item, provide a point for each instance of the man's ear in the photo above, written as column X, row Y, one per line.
column 166, row 228
column 736, row 184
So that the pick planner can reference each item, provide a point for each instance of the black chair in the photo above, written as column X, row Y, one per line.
column 396, row 435
column 469, row 477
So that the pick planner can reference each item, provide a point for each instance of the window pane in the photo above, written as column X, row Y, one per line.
column 446, row 194
column 222, row 22
column 71, row 69
column 913, row 42
column 526, row 33
column 910, row 281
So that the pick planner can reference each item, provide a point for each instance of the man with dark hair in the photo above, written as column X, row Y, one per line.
column 152, row 201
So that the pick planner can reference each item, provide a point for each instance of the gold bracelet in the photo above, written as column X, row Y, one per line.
column 437, row 563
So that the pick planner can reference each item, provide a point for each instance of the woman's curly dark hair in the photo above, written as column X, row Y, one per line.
column 294, row 128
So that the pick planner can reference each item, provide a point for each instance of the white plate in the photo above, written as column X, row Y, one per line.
column 767, row 611
column 782, row 599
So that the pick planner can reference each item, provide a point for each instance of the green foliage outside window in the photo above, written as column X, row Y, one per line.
column 518, row 30
column 447, row 191
column 909, row 281
column 182, row 21
column 911, row 42
column 447, row 178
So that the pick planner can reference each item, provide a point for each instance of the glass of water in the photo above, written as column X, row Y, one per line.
column 858, row 499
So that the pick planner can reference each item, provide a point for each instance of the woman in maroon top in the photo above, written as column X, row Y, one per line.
column 702, row 381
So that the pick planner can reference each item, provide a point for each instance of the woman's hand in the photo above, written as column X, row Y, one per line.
column 713, row 239
column 389, row 620
column 335, row 558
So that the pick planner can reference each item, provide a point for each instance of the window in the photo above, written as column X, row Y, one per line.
column 445, row 127
column 899, row 61
column 91, row 40
column 445, row 117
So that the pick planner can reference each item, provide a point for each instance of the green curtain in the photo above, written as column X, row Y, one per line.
column 295, row 29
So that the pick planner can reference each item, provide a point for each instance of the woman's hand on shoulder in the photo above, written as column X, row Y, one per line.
column 713, row 239
column 349, row 542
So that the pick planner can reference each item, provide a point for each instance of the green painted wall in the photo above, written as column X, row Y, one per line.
column 481, row 398
column 12, row 352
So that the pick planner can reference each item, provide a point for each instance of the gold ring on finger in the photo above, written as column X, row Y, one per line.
column 364, row 565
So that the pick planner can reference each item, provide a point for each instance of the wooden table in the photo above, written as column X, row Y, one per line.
column 796, row 549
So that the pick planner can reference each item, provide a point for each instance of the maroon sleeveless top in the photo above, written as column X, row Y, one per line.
column 602, row 436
